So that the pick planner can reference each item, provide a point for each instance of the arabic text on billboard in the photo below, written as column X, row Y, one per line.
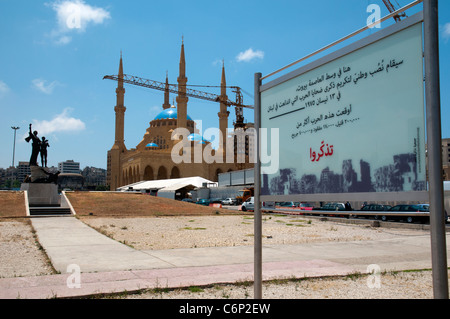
column 355, row 124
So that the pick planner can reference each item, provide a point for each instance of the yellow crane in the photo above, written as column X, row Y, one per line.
column 173, row 88
column 392, row 8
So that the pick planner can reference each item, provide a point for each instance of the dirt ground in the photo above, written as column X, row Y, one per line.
column 12, row 204
column 173, row 232
column 101, row 204
column 20, row 252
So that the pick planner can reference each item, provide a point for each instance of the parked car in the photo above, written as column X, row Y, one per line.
column 411, row 208
column 249, row 204
column 229, row 201
column 423, row 207
column 333, row 206
column 404, row 208
column 203, row 201
column 426, row 207
column 286, row 204
column 296, row 206
column 305, row 206
column 372, row 208
column 187, row 200
column 376, row 207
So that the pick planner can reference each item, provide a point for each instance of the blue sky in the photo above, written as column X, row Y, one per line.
column 52, row 64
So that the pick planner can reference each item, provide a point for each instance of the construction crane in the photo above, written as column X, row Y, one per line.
column 391, row 9
column 173, row 88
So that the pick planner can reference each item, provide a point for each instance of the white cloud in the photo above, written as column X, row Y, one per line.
column 60, row 123
column 4, row 89
column 249, row 55
column 75, row 15
column 41, row 85
column 446, row 31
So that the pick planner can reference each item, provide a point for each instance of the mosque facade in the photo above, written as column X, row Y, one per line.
column 152, row 158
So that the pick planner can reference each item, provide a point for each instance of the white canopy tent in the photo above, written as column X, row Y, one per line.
column 167, row 185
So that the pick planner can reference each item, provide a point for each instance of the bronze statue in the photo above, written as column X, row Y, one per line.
column 44, row 145
column 36, row 146
column 39, row 174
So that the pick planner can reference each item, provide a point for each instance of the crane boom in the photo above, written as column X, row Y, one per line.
column 389, row 5
column 173, row 88
column 391, row 9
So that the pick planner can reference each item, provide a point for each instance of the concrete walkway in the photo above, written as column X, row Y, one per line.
column 108, row 266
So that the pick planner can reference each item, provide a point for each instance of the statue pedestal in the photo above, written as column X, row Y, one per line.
column 42, row 194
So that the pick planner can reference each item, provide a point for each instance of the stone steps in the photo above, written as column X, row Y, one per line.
column 49, row 211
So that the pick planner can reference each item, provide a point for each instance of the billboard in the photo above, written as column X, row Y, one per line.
column 351, row 122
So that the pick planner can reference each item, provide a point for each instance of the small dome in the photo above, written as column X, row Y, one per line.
column 170, row 114
column 197, row 138
column 151, row 145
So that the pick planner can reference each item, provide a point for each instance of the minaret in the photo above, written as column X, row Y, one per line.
column 182, row 99
column 223, row 114
column 166, row 104
column 114, row 170
column 120, row 110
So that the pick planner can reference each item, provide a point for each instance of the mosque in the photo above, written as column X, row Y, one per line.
column 152, row 158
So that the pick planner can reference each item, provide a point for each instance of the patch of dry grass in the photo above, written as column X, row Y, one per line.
column 12, row 204
column 102, row 204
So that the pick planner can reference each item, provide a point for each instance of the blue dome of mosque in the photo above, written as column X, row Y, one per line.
column 169, row 114
column 197, row 138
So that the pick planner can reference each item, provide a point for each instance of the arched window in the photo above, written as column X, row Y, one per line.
column 162, row 173
column 148, row 173
column 175, row 173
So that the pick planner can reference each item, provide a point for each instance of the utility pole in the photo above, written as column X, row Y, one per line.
column 433, row 102
column 257, row 246
column 15, row 128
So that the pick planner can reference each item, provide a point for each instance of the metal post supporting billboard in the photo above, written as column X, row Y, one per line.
column 257, row 215
column 433, row 121
column 433, row 111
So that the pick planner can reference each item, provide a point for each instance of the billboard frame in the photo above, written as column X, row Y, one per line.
column 434, row 195
column 344, row 197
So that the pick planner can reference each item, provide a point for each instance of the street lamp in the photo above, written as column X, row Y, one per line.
column 15, row 128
